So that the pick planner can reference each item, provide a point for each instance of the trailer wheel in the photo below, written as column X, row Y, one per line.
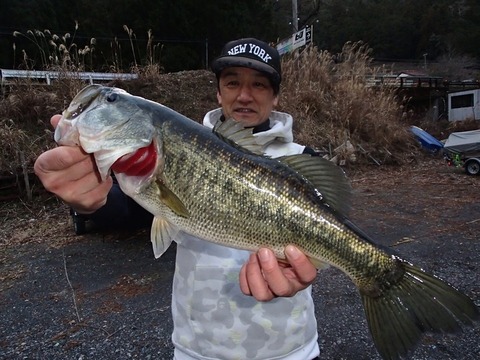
column 472, row 167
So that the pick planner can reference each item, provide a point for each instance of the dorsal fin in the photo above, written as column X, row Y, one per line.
column 328, row 178
column 325, row 176
column 233, row 133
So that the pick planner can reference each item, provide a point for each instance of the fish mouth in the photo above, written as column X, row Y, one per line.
column 82, row 100
column 94, row 120
column 66, row 133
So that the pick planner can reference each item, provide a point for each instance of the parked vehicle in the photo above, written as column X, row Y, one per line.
column 462, row 149
column 79, row 222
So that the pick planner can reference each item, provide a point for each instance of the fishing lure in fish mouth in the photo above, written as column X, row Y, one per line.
column 219, row 187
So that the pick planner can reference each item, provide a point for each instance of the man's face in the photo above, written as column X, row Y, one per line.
column 245, row 95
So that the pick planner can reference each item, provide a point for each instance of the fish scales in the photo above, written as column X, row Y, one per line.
column 281, row 208
column 203, row 184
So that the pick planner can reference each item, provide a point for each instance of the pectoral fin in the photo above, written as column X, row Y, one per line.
column 162, row 235
column 171, row 200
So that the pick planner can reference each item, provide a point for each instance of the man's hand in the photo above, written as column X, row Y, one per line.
column 72, row 175
column 265, row 278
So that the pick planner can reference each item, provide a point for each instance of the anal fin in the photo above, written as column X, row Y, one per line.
column 320, row 265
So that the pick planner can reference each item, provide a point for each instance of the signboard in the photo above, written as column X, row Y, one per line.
column 297, row 40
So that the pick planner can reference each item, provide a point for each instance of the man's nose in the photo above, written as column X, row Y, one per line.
column 245, row 93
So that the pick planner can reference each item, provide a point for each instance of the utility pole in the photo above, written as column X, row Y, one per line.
column 294, row 16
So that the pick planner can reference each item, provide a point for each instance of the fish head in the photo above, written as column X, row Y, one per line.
column 110, row 124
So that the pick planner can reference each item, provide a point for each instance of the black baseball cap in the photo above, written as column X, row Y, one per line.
column 251, row 53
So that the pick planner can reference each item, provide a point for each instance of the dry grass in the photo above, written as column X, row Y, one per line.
column 327, row 95
column 27, row 106
column 25, row 112
column 332, row 103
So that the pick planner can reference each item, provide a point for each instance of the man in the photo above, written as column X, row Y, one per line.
column 271, row 314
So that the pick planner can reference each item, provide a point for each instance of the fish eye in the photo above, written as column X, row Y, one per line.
column 112, row 97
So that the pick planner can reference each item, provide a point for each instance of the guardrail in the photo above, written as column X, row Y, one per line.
column 47, row 76
column 406, row 81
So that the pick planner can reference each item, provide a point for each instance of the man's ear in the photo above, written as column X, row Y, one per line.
column 219, row 98
column 275, row 101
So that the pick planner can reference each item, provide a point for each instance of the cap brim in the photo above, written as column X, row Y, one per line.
column 230, row 61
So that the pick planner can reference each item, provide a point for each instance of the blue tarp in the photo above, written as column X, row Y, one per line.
column 427, row 141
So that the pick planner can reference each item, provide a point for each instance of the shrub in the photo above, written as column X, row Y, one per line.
column 332, row 104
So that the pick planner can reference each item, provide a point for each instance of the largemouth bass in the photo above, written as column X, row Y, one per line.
column 215, row 185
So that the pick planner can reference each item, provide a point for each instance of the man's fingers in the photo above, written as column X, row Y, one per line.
column 92, row 200
column 72, row 175
column 256, row 281
column 63, row 158
column 54, row 120
column 86, row 189
column 302, row 266
column 265, row 278
column 244, row 281
column 273, row 274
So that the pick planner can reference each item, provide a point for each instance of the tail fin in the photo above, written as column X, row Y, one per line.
column 418, row 303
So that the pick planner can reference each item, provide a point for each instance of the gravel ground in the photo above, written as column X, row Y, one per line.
column 104, row 296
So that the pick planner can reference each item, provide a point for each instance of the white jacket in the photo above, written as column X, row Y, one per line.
column 279, row 137
column 212, row 318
